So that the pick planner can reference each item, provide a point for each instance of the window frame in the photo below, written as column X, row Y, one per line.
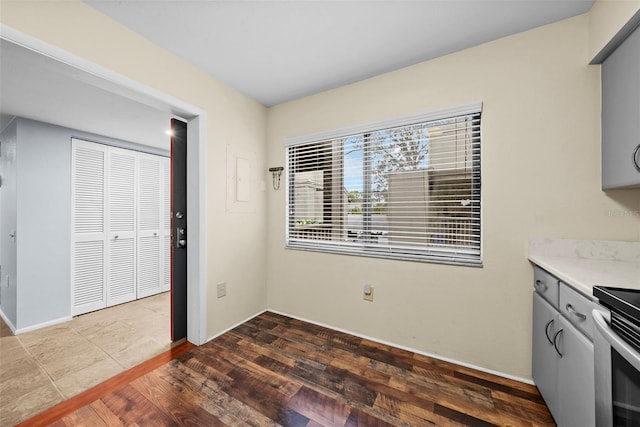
column 425, row 254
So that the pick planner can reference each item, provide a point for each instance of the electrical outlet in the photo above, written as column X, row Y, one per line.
column 222, row 289
column 368, row 293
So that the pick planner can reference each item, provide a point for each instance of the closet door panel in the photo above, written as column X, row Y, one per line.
column 148, row 266
column 121, row 208
column 88, row 227
column 149, row 228
column 88, row 277
column 165, row 214
column 166, row 263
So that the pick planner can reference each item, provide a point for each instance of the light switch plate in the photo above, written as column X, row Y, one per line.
column 222, row 289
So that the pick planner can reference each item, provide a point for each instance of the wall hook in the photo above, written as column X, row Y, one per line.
column 276, row 173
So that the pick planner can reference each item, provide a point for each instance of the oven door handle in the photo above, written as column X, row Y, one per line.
column 617, row 343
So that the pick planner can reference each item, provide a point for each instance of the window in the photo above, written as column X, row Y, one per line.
column 403, row 189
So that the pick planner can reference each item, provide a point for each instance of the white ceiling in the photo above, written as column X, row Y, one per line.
column 37, row 87
column 273, row 51
column 276, row 51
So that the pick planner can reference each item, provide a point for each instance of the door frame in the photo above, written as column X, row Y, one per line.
column 196, row 119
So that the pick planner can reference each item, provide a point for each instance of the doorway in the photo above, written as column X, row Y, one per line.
column 194, row 297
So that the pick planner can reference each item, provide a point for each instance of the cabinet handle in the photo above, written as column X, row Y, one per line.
column 572, row 310
column 635, row 157
column 555, row 342
column 541, row 286
column 546, row 330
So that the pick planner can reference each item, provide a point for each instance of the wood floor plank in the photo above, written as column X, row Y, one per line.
column 319, row 407
column 493, row 385
column 181, row 403
column 494, row 378
column 298, row 352
column 357, row 418
column 268, row 352
column 233, row 412
column 260, row 396
column 84, row 416
column 105, row 414
column 133, row 408
column 209, row 364
column 462, row 418
column 258, row 373
column 537, row 413
column 407, row 412
column 277, row 371
column 207, row 382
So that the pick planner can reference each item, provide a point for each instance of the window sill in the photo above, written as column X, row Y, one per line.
column 432, row 258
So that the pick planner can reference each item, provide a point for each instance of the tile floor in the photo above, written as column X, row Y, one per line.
column 41, row 368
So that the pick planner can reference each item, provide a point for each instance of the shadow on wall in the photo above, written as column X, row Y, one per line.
column 628, row 201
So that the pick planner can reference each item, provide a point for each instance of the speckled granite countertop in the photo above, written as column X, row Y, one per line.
column 584, row 264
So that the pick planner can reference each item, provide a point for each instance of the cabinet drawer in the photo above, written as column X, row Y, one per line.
column 577, row 308
column 546, row 285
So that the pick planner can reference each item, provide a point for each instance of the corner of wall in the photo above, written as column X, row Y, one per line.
column 607, row 19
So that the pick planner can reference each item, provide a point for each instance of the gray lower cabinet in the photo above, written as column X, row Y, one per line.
column 621, row 115
column 545, row 358
column 576, row 388
column 562, row 365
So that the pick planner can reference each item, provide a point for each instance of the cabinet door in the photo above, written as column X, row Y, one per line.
column 545, row 358
column 621, row 114
column 88, row 233
column 149, row 225
column 121, row 242
column 576, row 390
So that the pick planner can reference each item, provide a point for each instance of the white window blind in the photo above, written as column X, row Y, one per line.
column 407, row 189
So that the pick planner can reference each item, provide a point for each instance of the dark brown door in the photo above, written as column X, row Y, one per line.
column 178, row 230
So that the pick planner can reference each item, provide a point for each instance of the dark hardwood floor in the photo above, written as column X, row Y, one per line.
column 274, row 370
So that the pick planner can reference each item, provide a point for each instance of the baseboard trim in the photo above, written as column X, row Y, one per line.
column 402, row 347
column 7, row 321
column 43, row 325
column 236, row 325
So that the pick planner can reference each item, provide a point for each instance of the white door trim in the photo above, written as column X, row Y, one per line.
column 196, row 163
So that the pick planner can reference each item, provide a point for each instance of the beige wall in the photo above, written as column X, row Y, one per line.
column 541, row 167
column 606, row 18
column 541, row 178
column 236, row 242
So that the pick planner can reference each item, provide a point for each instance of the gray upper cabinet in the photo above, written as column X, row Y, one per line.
column 621, row 115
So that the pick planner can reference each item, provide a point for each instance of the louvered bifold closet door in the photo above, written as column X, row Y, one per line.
column 149, row 225
column 88, row 227
column 166, row 224
column 121, row 214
